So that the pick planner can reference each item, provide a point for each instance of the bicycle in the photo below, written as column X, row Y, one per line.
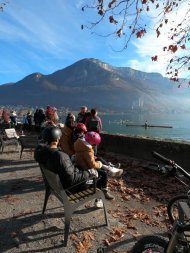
column 178, row 238
column 173, row 169
column 177, row 242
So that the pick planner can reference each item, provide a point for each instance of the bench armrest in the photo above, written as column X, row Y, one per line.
column 93, row 178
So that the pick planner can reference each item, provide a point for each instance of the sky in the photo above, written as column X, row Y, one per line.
column 45, row 36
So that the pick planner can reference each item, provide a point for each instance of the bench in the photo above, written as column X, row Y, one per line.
column 28, row 142
column 71, row 201
column 8, row 137
column 11, row 133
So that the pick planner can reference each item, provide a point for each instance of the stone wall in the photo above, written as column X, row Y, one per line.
column 141, row 148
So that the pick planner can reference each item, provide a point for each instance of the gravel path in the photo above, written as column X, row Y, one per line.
column 139, row 208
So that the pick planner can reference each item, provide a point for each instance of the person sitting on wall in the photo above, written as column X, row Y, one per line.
column 85, row 159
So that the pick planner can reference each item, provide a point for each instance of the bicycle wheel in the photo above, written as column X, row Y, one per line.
column 150, row 244
column 172, row 208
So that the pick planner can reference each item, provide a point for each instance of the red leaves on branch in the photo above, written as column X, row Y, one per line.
column 183, row 47
column 167, row 9
column 140, row 33
column 154, row 58
column 158, row 32
column 119, row 32
column 100, row 8
column 112, row 20
column 172, row 48
column 144, row 1
column 175, row 79
column 111, row 3
column 100, row 12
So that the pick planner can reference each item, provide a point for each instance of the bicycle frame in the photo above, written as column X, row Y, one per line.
column 178, row 239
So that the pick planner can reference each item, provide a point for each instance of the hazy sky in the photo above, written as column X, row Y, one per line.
column 45, row 36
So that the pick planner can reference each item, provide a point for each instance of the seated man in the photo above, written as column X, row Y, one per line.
column 60, row 163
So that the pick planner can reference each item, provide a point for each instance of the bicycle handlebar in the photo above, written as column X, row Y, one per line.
column 162, row 158
column 171, row 163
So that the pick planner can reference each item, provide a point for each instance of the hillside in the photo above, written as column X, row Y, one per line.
column 96, row 84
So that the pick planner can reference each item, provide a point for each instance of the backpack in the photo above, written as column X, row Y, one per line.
column 93, row 124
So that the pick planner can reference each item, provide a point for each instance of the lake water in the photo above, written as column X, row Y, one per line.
column 116, row 124
column 180, row 125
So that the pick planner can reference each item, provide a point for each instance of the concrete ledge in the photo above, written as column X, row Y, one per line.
column 141, row 148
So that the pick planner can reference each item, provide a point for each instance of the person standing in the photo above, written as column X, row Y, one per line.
column 52, row 118
column 93, row 122
column 5, row 118
column 29, row 121
column 13, row 118
column 82, row 115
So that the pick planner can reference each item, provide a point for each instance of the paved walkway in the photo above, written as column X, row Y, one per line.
column 135, row 211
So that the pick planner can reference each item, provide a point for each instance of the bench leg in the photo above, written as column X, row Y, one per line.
column 106, row 215
column 68, row 215
column 21, row 152
column 47, row 194
column 17, row 146
column 2, row 148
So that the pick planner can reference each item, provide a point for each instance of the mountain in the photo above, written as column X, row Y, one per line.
column 97, row 84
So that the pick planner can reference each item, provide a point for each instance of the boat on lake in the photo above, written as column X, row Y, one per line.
column 147, row 125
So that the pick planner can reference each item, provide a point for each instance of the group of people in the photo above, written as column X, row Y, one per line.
column 71, row 151
column 9, row 119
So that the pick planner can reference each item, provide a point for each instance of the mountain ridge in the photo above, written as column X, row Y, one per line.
column 95, row 83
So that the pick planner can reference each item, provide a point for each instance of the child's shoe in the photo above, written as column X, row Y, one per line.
column 114, row 172
column 118, row 165
column 98, row 203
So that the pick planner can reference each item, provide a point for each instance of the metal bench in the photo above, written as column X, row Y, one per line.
column 28, row 142
column 71, row 201
column 11, row 133
column 8, row 137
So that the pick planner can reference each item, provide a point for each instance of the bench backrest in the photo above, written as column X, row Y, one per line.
column 52, row 180
column 11, row 133
column 66, row 196
column 29, row 141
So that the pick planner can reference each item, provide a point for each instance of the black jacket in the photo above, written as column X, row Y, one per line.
column 60, row 163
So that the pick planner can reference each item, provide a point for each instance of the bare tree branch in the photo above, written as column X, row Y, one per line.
column 128, row 18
